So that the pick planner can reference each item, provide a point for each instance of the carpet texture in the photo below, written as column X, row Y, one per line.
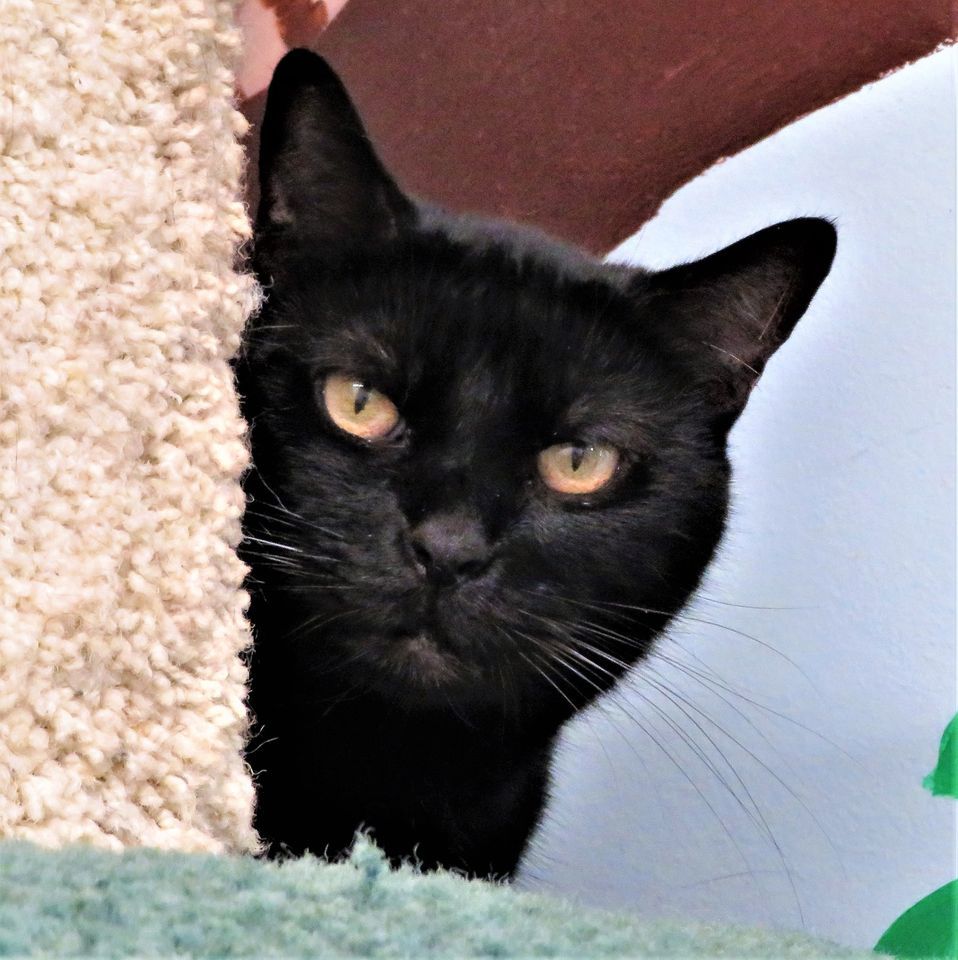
column 153, row 904
column 121, row 444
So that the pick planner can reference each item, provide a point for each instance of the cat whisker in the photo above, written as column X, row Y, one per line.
column 677, row 699
column 557, row 657
column 744, row 606
column 350, row 693
column 701, row 674
column 570, row 645
column 615, row 699
column 317, row 622
column 737, row 359
column 755, row 758
column 302, row 554
column 568, row 642
column 279, row 505
column 272, row 559
column 251, row 512
column 612, row 705
column 287, row 517
column 710, row 684
column 605, row 606
column 538, row 667
column 316, row 587
column 699, row 752
column 714, row 685
column 684, row 706
column 332, row 665
column 271, row 543
column 598, row 651
column 551, row 651
column 662, row 685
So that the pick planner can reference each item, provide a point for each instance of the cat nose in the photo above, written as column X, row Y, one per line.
column 449, row 547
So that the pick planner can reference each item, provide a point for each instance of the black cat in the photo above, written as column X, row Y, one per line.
column 488, row 471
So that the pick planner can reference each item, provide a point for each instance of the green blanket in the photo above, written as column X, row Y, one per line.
column 147, row 903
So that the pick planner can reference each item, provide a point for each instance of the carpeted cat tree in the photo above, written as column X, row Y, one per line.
column 121, row 608
column 121, row 444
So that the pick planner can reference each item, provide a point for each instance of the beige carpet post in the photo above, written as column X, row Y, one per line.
column 121, row 444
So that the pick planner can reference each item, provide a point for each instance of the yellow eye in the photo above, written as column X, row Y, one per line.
column 357, row 408
column 578, row 467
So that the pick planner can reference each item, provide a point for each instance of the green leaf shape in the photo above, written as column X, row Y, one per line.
column 929, row 929
column 943, row 780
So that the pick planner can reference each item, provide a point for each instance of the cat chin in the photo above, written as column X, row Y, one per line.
column 415, row 668
column 420, row 657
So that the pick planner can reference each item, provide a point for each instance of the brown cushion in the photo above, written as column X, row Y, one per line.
column 583, row 117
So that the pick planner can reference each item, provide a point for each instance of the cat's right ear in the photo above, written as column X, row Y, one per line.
column 321, row 184
column 727, row 314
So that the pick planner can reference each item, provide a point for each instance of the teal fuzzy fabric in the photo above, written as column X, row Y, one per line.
column 146, row 903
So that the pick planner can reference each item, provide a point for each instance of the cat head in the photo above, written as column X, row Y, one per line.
column 489, row 468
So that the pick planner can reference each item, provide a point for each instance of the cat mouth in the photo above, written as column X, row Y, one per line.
column 422, row 657
column 420, row 643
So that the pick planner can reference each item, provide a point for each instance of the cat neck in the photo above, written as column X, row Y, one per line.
column 324, row 715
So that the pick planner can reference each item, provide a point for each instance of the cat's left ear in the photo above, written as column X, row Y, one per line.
column 728, row 313
column 321, row 184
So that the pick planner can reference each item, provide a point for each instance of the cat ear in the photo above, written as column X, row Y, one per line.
column 321, row 183
column 727, row 314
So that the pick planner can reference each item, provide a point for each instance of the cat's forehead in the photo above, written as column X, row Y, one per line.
column 489, row 337
column 476, row 309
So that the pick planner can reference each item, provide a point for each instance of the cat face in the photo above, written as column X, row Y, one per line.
column 487, row 468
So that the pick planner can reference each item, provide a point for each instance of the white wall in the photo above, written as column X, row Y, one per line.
column 844, row 526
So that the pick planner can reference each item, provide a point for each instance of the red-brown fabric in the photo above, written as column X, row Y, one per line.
column 271, row 28
column 300, row 22
column 582, row 117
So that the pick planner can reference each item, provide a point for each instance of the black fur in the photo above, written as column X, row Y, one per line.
column 427, row 613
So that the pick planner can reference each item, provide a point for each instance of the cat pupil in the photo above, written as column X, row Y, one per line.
column 362, row 397
column 578, row 453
